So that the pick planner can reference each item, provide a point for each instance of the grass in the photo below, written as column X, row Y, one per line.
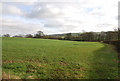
column 25, row 58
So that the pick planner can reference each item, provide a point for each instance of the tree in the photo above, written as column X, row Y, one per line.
column 29, row 36
column 90, row 36
column 39, row 34
column 6, row 35
column 111, row 35
column 87, row 36
column 19, row 36
column 118, row 33
column 102, row 36
column 68, row 36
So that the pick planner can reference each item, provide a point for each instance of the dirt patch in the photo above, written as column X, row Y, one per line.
column 11, row 61
column 7, row 61
column 63, row 63
column 30, row 77
column 81, row 69
column 9, row 76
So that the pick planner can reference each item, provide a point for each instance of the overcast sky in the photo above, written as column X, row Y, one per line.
column 58, row 16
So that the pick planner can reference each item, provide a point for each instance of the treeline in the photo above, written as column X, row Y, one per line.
column 93, row 36
column 86, row 36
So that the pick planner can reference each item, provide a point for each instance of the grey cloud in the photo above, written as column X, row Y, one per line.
column 43, row 12
column 53, row 25
column 50, row 13
column 15, row 26
column 67, row 28
column 103, row 25
column 12, row 10
column 98, row 14
column 19, row 1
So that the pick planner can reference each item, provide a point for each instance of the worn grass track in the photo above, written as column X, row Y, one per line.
column 44, row 58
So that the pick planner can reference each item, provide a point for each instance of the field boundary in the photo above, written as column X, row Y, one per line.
column 117, row 48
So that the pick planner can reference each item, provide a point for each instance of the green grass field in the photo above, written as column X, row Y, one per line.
column 25, row 58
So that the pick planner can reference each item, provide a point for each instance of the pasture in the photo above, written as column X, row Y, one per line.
column 27, row 58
